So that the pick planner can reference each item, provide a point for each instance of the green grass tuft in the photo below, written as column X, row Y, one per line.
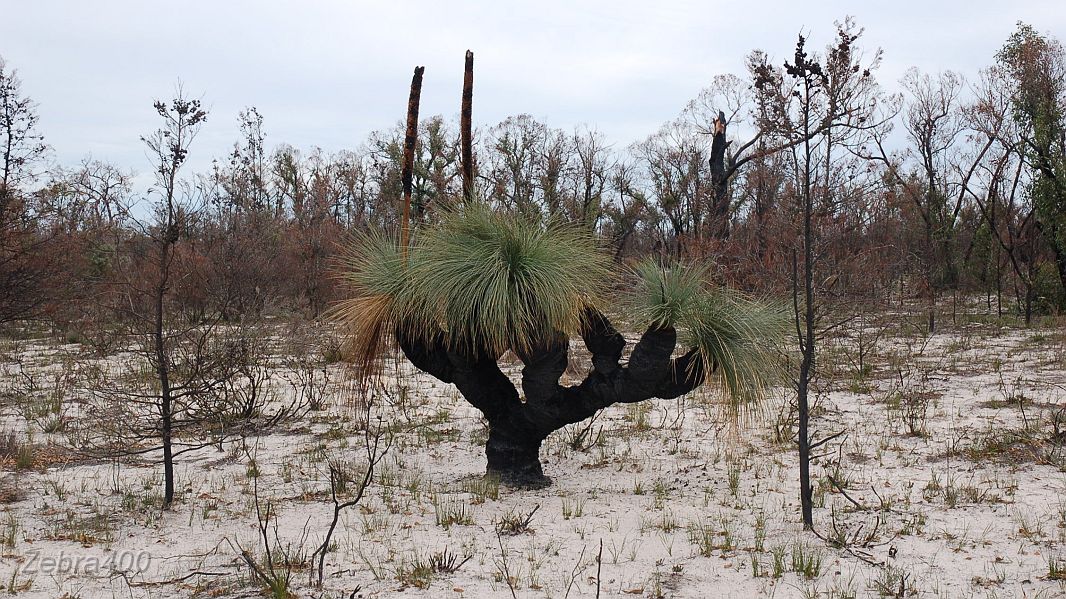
column 738, row 335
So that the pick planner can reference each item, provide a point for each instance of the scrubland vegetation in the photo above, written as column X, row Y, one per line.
column 311, row 375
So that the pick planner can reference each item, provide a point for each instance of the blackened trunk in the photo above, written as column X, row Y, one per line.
column 168, row 453
column 410, row 137
column 517, row 428
column 466, row 128
column 163, row 372
column 807, row 338
column 1029, row 296
column 930, row 279
column 719, row 212
column 514, row 456
column 806, row 494
column 1060, row 264
column 513, row 446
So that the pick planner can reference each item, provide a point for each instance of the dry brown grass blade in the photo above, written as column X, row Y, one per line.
column 367, row 320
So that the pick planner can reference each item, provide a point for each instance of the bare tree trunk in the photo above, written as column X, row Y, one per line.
column 807, row 339
column 163, row 372
column 805, row 375
column 466, row 128
column 169, row 236
column 1029, row 296
column 930, row 283
column 409, row 141
column 719, row 212
column 999, row 281
column 1060, row 265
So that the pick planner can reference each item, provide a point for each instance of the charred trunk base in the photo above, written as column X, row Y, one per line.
column 514, row 457
column 518, row 428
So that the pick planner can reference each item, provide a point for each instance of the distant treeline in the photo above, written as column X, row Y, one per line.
column 951, row 186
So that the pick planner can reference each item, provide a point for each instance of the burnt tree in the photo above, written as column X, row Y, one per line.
column 517, row 428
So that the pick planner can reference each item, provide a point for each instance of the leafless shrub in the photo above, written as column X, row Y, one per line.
column 911, row 398
column 376, row 443
column 307, row 366
column 219, row 388
column 279, row 559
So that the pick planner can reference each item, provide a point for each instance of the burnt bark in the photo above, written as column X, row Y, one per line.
column 516, row 427
column 719, row 213
column 409, row 140
column 466, row 127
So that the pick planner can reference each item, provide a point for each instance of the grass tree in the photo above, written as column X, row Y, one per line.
column 480, row 283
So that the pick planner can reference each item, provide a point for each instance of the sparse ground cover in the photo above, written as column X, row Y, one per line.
column 939, row 473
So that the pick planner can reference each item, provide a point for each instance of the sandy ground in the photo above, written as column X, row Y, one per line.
column 945, row 481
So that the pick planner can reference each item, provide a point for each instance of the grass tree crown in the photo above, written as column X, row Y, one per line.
column 736, row 335
column 488, row 281
column 479, row 283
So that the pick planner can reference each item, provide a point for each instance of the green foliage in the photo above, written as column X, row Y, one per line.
column 1034, row 62
column 1047, row 289
column 1036, row 66
column 499, row 281
column 491, row 281
column 664, row 295
column 739, row 336
column 487, row 280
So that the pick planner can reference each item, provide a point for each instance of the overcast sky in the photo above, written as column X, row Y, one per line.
column 327, row 73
